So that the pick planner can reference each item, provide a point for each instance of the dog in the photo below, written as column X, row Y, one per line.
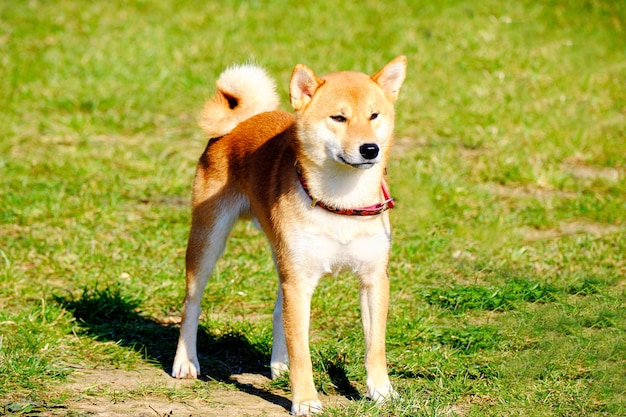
column 314, row 182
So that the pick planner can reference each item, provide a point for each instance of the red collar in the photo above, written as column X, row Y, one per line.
column 372, row 210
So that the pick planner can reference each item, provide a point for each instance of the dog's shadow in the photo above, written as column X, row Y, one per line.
column 110, row 315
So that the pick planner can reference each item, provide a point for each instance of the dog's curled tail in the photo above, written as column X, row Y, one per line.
column 242, row 92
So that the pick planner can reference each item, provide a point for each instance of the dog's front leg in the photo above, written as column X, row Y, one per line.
column 374, row 297
column 297, row 296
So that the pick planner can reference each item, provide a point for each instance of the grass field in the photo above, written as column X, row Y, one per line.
column 509, row 259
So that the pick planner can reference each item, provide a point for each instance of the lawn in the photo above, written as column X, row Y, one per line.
column 509, row 259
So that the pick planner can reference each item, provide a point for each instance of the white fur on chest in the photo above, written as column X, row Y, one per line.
column 329, row 243
column 319, row 242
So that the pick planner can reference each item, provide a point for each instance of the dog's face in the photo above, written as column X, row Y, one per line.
column 346, row 118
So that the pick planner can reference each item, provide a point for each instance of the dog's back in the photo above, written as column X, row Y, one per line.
column 243, row 127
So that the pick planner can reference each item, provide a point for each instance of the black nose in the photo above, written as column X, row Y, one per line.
column 369, row 150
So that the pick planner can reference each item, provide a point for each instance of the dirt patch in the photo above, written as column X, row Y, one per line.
column 404, row 144
column 528, row 192
column 588, row 172
column 581, row 170
column 568, row 229
column 151, row 392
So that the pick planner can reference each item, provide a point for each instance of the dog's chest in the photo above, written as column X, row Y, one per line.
column 342, row 245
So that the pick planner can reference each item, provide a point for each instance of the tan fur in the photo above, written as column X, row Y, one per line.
column 242, row 92
column 341, row 137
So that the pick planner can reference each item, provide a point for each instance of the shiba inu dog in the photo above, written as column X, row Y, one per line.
column 315, row 184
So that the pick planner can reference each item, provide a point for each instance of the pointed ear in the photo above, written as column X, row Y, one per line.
column 391, row 77
column 303, row 85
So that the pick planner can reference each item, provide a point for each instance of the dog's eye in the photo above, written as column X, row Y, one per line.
column 339, row 118
column 374, row 116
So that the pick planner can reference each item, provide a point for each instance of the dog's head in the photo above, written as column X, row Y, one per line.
column 346, row 117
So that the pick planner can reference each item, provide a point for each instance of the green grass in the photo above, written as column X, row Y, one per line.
column 508, row 265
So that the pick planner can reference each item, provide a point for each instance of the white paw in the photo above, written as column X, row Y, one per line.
column 278, row 369
column 306, row 408
column 382, row 393
column 185, row 368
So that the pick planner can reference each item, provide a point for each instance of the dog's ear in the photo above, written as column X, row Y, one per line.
column 391, row 77
column 303, row 85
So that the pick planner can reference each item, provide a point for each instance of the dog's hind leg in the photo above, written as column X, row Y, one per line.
column 280, row 356
column 209, row 230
